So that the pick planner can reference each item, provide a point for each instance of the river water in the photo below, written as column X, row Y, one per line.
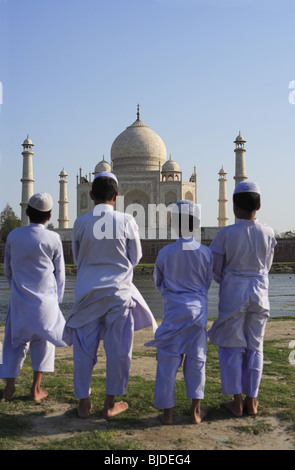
column 281, row 296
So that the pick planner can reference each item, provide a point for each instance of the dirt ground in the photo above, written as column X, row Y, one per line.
column 209, row 435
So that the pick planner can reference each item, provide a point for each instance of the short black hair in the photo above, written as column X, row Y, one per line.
column 37, row 217
column 247, row 201
column 187, row 220
column 104, row 188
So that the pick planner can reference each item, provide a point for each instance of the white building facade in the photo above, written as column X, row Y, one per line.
column 146, row 177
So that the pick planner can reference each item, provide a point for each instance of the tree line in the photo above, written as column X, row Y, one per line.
column 9, row 221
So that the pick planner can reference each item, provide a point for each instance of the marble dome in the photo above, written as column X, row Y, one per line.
column 170, row 165
column 138, row 148
column 102, row 166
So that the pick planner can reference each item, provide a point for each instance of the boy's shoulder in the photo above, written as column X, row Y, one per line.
column 239, row 224
column 266, row 228
column 27, row 231
column 177, row 246
column 81, row 220
column 18, row 231
column 233, row 233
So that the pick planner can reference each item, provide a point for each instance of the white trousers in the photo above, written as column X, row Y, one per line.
column 118, row 343
column 42, row 355
column 240, row 371
column 168, row 364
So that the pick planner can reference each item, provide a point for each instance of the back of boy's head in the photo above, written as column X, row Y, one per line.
column 247, row 196
column 186, row 215
column 39, row 208
column 104, row 188
column 37, row 217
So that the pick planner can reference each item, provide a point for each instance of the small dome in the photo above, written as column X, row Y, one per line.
column 170, row 165
column 102, row 166
column 240, row 138
column 222, row 171
column 63, row 173
column 28, row 141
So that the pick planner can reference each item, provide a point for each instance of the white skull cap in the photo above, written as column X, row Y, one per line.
column 107, row 174
column 247, row 187
column 41, row 201
column 186, row 207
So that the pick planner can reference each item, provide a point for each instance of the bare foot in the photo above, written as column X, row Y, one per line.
column 84, row 408
column 197, row 416
column 38, row 395
column 251, row 405
column 167, row 417
column 9, row 390
column 114, row 409
column 235, row 407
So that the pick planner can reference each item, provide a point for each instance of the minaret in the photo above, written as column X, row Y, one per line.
column 63, row 221
column 240, row 174
column 27, row 179
column 222, row 201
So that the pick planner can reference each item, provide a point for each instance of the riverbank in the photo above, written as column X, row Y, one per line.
column 146, row 270
column 53, row 424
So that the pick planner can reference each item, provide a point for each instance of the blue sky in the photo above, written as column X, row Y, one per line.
column 73, row 72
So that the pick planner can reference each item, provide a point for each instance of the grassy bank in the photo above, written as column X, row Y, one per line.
column 147, row 269
column 57, row 414
column 283, row 268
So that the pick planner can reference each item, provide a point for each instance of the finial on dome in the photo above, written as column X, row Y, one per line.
column 138, row 115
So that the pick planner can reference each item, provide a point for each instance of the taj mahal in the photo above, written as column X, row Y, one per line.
column 138, row 158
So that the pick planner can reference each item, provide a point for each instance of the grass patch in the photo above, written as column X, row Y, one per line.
column 92, row 440
column 276, row 397
column 255, row 429
column 282, row 268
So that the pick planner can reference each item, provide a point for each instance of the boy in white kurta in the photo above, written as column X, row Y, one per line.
column 35, row 270
column 243, row 255
column 183, row 274
column 106, row 247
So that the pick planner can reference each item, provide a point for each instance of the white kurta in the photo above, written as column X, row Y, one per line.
column 183, row 274
column 106, row 247
column 35, row 270
column 243, row 255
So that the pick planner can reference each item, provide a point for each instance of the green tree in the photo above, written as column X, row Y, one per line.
column 289, row 234
column 8, row 221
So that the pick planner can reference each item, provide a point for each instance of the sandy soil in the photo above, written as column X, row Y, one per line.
column 209, row 435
